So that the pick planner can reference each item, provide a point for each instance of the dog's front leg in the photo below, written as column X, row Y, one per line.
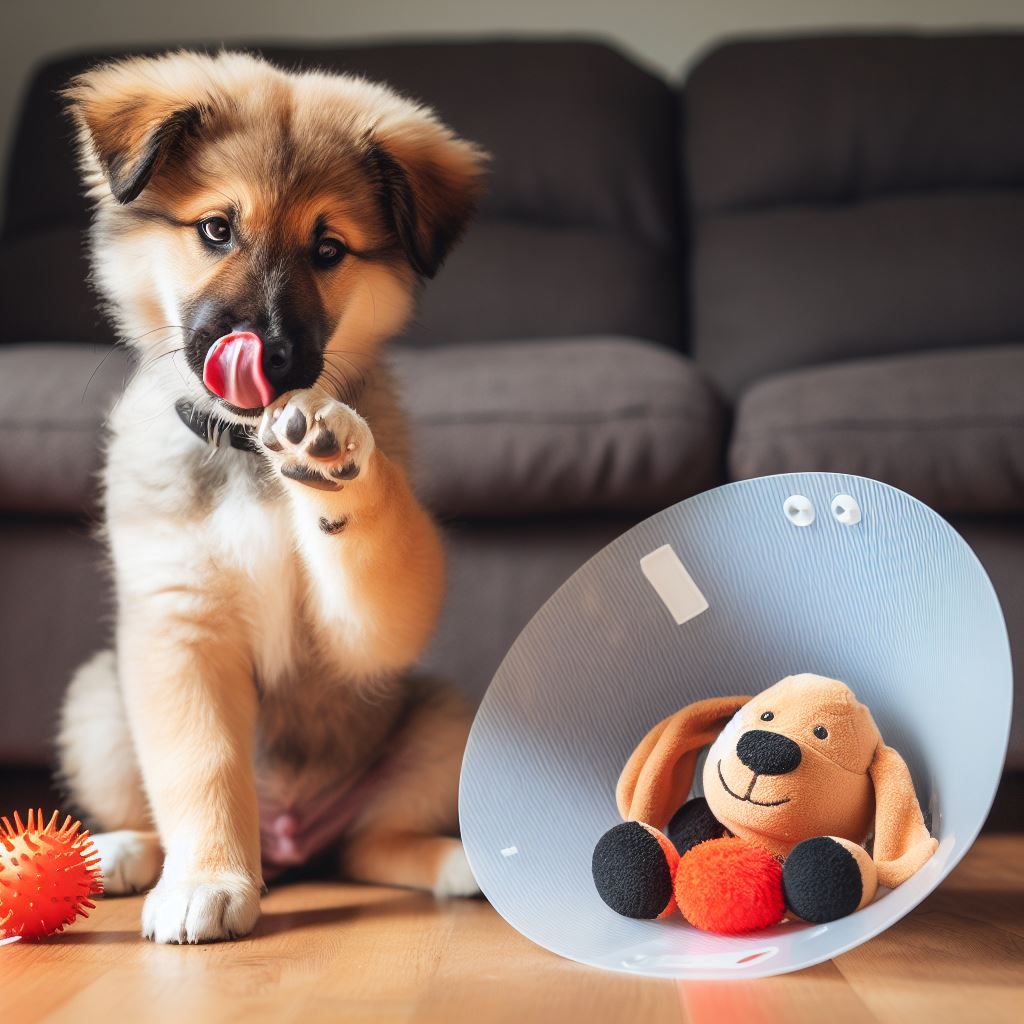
column 191, row 706
column 373, row 554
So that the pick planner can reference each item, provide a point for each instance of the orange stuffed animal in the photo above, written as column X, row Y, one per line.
column 795, row 781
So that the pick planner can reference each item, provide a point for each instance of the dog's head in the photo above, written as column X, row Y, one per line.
column 292, row 213
column 804, row 758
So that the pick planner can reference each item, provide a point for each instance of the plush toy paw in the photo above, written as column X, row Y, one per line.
column 693, row 823
column 730, row 886
column 634, row 866
column 826, row 878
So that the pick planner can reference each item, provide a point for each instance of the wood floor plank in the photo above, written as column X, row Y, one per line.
column 326, row 952
column 491, row 974
column 960, row 955
column 811, row 996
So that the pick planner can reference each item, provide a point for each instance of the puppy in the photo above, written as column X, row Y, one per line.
column 257, row 236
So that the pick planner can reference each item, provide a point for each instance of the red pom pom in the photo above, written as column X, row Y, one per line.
column 47, row 874
column 730, row 886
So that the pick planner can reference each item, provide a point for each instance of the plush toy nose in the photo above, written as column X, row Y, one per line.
column 767, row 753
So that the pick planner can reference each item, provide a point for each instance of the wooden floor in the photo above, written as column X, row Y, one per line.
column 330, row 952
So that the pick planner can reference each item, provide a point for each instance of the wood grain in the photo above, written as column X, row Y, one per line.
column 330, row 952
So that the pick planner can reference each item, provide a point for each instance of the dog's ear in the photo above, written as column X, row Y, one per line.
column 659, row 773
column 902, row 843
column 135, row 116
column 430, row 181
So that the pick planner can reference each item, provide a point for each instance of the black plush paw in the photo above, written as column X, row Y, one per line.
column 632, row 873
column 821, row 880
column 693, row 823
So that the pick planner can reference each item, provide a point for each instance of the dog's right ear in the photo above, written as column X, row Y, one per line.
column 135, row 115
column 430, row 182
column 659, row 773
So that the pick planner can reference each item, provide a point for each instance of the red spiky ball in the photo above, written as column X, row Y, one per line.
column 47, row 874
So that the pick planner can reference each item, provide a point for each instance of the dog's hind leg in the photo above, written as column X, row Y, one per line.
column 406, row 835
column 100, row 772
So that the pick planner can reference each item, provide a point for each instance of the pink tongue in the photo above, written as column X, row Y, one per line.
column 234, row 371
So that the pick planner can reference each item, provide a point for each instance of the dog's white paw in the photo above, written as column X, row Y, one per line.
column 456, row 876
column 201, row 909
column 315, row 439
column 130, row 861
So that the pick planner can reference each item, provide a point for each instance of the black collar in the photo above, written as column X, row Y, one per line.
column 212, row 430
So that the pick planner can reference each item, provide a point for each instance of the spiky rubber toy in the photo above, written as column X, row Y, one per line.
column 47, row 875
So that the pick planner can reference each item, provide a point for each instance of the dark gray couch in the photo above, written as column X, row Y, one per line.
column 810, row 257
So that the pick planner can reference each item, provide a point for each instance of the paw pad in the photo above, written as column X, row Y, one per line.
column 324, row 445
column 295, row 428
column 321, row 442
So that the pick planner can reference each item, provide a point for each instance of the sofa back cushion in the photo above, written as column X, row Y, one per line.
column 853, row 196
column 578, row 233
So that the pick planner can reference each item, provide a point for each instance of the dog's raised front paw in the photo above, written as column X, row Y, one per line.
column 315, row 439
column 203, row 908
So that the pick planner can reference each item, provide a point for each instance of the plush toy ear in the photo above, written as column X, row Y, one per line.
column 659, row 773
column 134, row 116
column 430, row 182
column 902, row 843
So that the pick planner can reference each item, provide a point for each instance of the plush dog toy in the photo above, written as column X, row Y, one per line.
column 795, row 781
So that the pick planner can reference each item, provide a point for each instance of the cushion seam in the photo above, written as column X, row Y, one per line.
column 865, row 425
column 524, row 419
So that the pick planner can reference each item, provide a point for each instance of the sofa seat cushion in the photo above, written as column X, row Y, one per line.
column 948, row 427
column 53, row 401
column 498, row 429
column 598, row 424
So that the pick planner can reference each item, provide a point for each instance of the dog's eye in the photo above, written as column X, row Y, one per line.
column 821, row 732
column 767, row 716
column 328, row 252
column 215, row 231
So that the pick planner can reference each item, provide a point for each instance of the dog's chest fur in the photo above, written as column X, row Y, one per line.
column 213, row 519
column 254, row 540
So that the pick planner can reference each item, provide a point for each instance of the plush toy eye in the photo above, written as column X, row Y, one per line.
column 215, row 230
column 767, row 716
column 821, row 732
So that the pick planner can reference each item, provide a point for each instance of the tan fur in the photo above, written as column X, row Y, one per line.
column 258, row 656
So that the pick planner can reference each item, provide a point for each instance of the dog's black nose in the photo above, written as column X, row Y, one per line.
column 767, row 753
column 277, row 361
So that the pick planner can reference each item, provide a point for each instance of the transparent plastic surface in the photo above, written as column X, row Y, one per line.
column 896, row 605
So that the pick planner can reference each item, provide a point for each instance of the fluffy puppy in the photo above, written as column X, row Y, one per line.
column 257, row 236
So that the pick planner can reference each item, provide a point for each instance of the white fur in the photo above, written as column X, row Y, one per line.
column 130, row 861
column 94, row 708
column 257, row 541
column 456, row 876
column 200, row 909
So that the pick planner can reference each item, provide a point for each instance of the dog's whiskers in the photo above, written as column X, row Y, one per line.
column 350, row 389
